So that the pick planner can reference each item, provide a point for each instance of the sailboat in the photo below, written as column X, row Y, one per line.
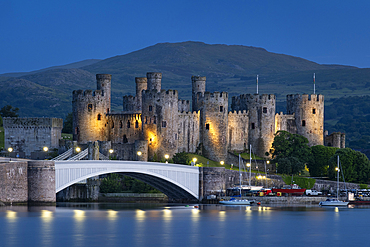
column 334, row 201
column 234, row 201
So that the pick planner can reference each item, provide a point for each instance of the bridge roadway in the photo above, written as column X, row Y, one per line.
column 176, row 181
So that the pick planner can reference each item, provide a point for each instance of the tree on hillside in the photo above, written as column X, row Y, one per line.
column 319, row 162
column 68, row 124
column 354, row 165
column 9, row 111
column 290, row 151
column 181, row 158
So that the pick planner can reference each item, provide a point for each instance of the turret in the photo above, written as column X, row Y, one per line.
column 141, row 84
column 198, row 86
column 214, row 124
column 104, row 84
column 154, row 81
column 309, row 116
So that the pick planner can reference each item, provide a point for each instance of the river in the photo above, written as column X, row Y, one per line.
column 98, row 224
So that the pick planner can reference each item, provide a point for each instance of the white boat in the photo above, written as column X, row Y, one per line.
column 334, row 202
column 234, row 201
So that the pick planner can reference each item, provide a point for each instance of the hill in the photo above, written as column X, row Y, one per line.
column 231, row 68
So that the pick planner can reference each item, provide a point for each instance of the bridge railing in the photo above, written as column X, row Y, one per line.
column 64, row 155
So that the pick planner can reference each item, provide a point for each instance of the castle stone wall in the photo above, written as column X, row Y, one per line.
column 130, row 104
column 238, row 130
column 141, row 85
column 214, row 124
column 285, row 122
column 32, row 134
column 335, row 139
column 124, row 128
column 188, row 131
column 160, row 124
column 309, row 116
column 184, row 105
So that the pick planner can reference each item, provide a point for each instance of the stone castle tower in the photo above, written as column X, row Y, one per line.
column 90, row 109
column 156, row 122
column 309, row 116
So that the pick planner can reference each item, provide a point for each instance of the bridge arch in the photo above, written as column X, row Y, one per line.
column 176, row 181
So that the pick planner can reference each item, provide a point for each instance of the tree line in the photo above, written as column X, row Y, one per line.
column 292, row 154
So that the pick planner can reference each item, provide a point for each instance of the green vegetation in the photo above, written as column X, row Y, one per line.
column 68, row 124
column 246, row 156
column 364, row 186
column 355, row 166
column 350, row 115
column 319, row 162
column 117, row 183
column 302, row 182
column 67, row 136
column 9, row 111
column 291, row 152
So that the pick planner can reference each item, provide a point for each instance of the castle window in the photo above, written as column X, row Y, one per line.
column 150, row 108
column 107, row 110
column 221, row 108
column 136, row 124
column 264, row 109
column 112, row 125
column 313, row 111
column 207, row 126
column 155, row 120
column 128, row 124
column 303, row 122
column 76, row 130
column 89, row 107
column 175, row 136
column 164, row 124
column 146, row 120
column 124, row 139
column 120, row 124
column 253, row 127
column 99, row 117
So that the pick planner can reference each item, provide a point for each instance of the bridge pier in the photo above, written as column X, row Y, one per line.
column 31, row 182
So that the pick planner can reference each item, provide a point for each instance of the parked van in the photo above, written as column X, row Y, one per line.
column 313, row 193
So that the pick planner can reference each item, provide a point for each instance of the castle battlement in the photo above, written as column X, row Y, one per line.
column 183, row 105
column 32, row 122
column 233, row 113
column 306, row 97
column 154, row 75
column 152, row 93
column 189, row 114
column 223, row 96
column 80, row 94
column 141, row 80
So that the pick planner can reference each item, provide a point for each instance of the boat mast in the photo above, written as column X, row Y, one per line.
column 250, row 164
column 240, row 179
column 337, row 177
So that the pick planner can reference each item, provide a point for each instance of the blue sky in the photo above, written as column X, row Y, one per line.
column 39, row 34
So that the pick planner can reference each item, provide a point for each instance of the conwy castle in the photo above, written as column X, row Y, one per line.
column 157, row 122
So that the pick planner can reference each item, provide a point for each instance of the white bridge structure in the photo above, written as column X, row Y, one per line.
column 176, row 181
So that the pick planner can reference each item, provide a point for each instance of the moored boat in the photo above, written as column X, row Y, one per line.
column 333, row 202
column 234, row 201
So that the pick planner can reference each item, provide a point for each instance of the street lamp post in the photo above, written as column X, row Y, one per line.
column 166, row 156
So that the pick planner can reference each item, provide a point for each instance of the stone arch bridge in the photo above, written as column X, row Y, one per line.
column 176, row 181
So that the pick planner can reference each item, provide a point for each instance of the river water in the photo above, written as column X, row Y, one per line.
column 97, row 224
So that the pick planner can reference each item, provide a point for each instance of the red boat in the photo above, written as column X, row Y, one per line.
column 293, row 190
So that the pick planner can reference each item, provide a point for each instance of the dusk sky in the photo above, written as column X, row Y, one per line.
column 40, row 34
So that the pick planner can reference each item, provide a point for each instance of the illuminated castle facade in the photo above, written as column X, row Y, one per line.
column 156, row 122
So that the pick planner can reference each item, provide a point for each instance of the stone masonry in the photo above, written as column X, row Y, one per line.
column 169, row 125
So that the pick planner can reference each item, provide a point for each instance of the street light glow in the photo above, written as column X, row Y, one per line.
column 110, row 151
column 45, row 149
column 195, row 159
column 166, row 156
column 139, row 153
column 78, row 149
column 10, row 150
column 222, row 162
column 248, row 164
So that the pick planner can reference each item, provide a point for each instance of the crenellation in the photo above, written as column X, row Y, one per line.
column 158, row 120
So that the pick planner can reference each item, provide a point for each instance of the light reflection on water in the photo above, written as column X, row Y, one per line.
column 178, row 225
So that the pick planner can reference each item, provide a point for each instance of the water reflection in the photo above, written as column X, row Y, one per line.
column 112, row 215
column 11, row 215
column 79, row 215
